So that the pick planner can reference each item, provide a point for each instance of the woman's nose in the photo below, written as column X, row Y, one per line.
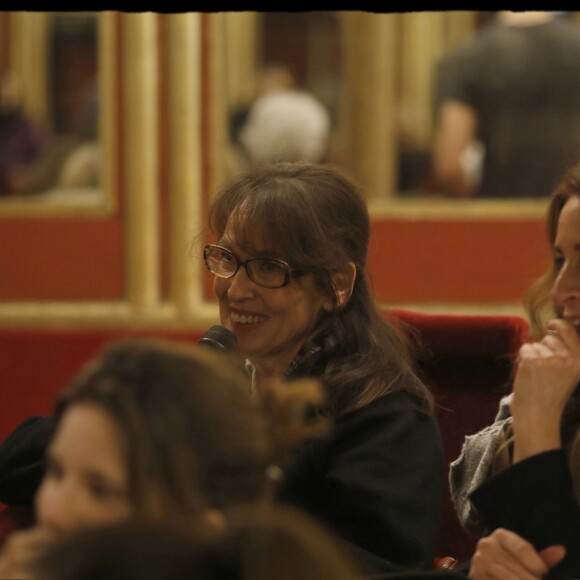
column 240, row 285
column 567, row 286
column 56, row 509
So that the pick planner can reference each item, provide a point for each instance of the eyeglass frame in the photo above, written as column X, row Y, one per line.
column 289, row 272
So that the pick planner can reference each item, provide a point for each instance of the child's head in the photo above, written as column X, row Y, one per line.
column 154, row 430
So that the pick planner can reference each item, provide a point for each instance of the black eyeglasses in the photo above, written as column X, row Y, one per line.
column 265, row 272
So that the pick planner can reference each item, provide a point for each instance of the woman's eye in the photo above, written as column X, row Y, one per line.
column 225, row 257
column 100, row 491
column 269, row 267
column 104, row 491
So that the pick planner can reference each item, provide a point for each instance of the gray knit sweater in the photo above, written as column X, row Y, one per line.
column 473, row 466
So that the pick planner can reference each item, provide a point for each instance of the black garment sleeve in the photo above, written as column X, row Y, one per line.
column 22, row 460
column 534, row 499
column 376, row 482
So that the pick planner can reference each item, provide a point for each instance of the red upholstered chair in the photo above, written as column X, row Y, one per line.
column 14, row 518
column 37, row 363
column 466, row 360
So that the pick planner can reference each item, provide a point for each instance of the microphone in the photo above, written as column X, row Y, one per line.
column 218, row 338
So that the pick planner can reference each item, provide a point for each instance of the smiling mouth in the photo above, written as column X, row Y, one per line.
column 246, row 318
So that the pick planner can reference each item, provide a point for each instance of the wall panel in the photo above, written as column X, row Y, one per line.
column 458, row 262
column 61, row 259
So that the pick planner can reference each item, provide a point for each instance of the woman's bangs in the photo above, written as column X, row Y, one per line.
column 259, row 230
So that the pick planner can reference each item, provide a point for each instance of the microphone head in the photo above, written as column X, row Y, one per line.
column 219, row 338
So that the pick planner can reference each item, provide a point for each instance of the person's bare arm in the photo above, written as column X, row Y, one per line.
column 456, row 130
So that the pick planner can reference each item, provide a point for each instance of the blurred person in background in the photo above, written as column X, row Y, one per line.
column 282, row 123
column 287, row 125
column 522, row 472
column 508, row 120
column 22, row 140
column 70, row 160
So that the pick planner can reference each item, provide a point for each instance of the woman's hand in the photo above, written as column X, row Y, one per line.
column 20, row 550
column 547, row 374
column 504, row 555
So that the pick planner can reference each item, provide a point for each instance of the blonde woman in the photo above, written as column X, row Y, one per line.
column 522, row 472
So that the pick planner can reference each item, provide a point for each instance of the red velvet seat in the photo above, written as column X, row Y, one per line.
column 14, row 518
column 467, row 361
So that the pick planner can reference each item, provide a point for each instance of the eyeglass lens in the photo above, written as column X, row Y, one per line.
column 266, row 272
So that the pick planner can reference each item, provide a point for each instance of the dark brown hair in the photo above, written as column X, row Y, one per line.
column 315, row 217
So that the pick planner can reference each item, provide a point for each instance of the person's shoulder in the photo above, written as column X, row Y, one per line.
column 385, row 428
column 22, row 460
column 461, row 58
column 398, row 403
column 562, row 23
column 40, row 426
column 490, row 38
column 29, row 439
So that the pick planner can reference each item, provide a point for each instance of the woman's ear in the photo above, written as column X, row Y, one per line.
column 343, row 283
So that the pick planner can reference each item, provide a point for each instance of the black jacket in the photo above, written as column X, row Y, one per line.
column 376, row 481
column 534, row 499
column 22, row 460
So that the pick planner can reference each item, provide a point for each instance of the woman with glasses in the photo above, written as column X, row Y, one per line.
column 290, row 275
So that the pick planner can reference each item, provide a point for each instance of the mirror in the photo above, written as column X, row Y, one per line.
column 49, row 99
column 379, row 76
